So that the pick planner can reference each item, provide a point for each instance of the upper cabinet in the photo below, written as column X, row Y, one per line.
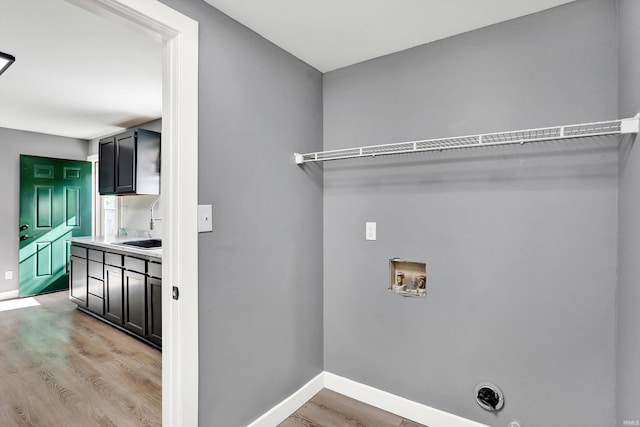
column 129, row 163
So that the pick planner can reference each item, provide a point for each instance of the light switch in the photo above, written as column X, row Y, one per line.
column 8, row 275
column 205, row 220
column 370, row 231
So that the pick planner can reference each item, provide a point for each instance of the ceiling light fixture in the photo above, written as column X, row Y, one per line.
column 5, row 61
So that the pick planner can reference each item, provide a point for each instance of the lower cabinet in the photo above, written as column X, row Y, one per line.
column 95, row 304
column 122, row 290
column 135, row 302
column 78, row 281
column 114, row 304
column 154, row 310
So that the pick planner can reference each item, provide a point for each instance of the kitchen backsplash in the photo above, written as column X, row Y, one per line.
column 136, row 216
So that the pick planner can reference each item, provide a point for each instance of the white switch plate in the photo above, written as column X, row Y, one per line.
column 205, row 220
column 8, row 275
column 370, row 231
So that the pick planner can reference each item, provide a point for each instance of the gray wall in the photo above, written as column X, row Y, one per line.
column 13, row 143
column 628, row 298
column 260, row 270
column 520, row 242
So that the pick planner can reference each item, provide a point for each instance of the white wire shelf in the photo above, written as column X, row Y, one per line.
column 611, row 127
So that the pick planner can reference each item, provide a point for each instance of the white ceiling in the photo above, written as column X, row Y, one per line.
column 80, row 75
column 331, row 34
column 76, row 74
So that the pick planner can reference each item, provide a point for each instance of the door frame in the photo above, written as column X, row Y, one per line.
column 179, row 182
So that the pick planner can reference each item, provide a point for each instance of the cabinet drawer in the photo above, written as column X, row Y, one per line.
column 96, row 287
column 135, row 264
column 95, row 304
column 96, row 255
column 78, row 251
column 154, row 269
column 113, row 259
column 96, row 270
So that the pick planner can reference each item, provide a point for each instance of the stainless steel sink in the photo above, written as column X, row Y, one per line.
column 144, row 244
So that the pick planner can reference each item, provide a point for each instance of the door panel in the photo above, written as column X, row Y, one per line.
column 55, row 204
column 113, row 293
column 72, row 206
column 44, row 202
column 107, row 169
column 44, row 259
column 135, row 302
column 126, row 163
column 78, row 291
column 43, row 171
column 154, row 310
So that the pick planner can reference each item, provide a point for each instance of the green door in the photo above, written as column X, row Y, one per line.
column 55, row 204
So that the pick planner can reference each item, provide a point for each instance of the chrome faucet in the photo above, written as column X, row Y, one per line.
column 153, row 220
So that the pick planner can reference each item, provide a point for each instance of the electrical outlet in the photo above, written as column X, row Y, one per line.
column 8, row 275
column 370, row 231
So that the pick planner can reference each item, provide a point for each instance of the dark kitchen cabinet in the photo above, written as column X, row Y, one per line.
column 78, row 281
column 154, row 310
column 129, row 163
column 135, row 287
column 113, row 301
column 107, row 174
column 120, row 289
column 95, row 282
column 126, row 163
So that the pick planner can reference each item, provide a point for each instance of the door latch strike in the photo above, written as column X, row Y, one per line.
column 175, row 293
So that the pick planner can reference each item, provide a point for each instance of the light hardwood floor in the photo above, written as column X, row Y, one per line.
column 330, row 409
column 61, row 367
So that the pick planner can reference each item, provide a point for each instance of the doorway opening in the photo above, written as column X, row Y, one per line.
column 179, row 183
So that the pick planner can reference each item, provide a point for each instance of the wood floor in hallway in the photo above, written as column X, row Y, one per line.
column 61, row 367
column 330, row 409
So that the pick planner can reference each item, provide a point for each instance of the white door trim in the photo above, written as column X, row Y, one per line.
column 179, row 183
column 95, row 207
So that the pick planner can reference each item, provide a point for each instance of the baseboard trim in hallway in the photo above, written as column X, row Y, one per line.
column 282, row 410
column 406, row 408
column 9, row 295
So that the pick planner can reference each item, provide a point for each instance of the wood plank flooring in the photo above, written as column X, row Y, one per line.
column 330, row 409
column 61, row 367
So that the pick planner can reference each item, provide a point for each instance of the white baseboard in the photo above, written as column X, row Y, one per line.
column 406, row 408
column 9, row 295
column 372, row 396
column 284, row 409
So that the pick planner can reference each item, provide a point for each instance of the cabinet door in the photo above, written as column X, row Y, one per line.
column 135, row 302
column 154, row 310
column 107, row 166
column 126, row 163
column 78, row 281
column 113, row 302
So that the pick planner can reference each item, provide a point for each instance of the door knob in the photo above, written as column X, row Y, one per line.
column 25, row 237
column 24, row 227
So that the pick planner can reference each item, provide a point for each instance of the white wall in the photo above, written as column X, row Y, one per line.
column 136, row 216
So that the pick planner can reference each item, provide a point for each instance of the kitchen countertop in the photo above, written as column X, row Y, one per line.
column 111, row 242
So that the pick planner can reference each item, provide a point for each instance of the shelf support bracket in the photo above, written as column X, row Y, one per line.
column 631, row 125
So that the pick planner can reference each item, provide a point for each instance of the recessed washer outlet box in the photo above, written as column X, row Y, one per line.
column 408, row 278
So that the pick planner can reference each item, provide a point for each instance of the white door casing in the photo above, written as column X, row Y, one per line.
column 179, row 183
